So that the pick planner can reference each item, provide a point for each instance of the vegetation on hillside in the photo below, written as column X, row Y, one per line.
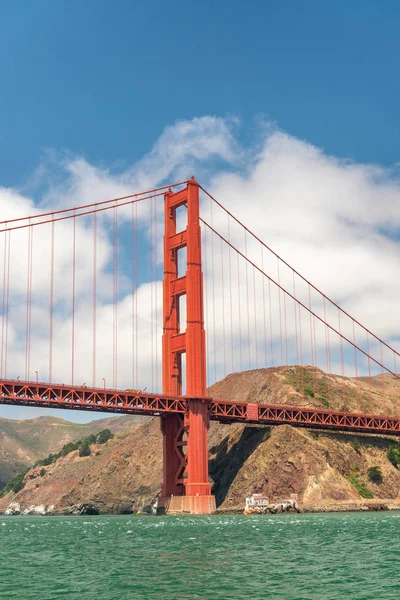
column 23, row 442
column 18, row 482
column 305, row 381
column 375, row 475
column 353, row 478
column 315, row 384
column 393, row 455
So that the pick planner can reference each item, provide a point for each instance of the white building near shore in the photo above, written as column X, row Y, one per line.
column 256, row 501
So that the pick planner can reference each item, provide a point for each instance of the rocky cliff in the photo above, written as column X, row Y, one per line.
column 23, row 442
column 326, row 470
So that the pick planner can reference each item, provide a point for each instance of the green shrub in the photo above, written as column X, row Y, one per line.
column 393, row 454
column 359, row 486
column 70, row 447
column 42, row 472
column 103, row 436
column 84, row 449
column 356, row 445
column 309, row 392
column 325, row 401
column 16, row 484
column 50, row 459
column 375, row 475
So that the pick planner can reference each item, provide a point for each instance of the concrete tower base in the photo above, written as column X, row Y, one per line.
column 193, row 505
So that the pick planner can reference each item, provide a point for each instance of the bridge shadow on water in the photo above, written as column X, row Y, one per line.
column 225, row 464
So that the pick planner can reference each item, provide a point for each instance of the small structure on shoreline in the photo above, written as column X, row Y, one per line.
column 259, row 504
column 256, row 501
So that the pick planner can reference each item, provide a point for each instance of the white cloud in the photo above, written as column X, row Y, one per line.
column 335, row 221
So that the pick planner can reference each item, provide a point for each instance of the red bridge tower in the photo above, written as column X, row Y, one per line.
column 185, row 475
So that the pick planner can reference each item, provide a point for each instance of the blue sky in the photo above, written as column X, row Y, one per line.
column 102, row 80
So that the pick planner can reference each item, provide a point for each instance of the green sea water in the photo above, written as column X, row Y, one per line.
column 289, row 557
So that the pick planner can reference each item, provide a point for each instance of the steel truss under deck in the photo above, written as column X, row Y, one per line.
column 28, row 393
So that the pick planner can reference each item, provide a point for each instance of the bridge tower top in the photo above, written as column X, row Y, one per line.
column 192, row 341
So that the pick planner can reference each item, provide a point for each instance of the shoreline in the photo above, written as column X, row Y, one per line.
column 342, row 507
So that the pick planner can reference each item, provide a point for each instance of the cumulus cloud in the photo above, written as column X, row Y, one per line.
column 337, row 222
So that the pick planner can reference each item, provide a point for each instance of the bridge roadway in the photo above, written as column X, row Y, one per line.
column 137, row 402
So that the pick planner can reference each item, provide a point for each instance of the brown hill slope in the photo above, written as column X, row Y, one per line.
column 23, row 442
column 311, row 387
column 325, row 469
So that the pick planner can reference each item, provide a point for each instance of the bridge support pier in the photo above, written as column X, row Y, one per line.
column 185, row 485
column 172, row 428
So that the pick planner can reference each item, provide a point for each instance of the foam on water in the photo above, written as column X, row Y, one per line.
column 282, row 557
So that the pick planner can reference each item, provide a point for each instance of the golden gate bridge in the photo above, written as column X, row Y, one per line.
column 76, row 303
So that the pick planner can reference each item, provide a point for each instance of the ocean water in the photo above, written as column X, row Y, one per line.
column 288, row 557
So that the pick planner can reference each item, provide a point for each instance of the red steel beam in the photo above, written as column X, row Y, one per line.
column 28, row 393
column 47, row 395
column 311, row 418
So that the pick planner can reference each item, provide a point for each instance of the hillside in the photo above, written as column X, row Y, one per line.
column 327, row 470
column 285, row 385
column 23, row 442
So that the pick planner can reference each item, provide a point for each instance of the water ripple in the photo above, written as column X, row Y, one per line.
column 293, row 557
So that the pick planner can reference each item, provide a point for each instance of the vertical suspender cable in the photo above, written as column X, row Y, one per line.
column 27, row 303
column 230, row 291
column 136, row 296
column 7, row 302
column 239, row 311
column 115, row 302
column 316, row 356
column 73, row 301
column 369, row 370
column 247, row 298
column 383, row 383
column 270, row 333
column 342, row 358
column 28, row 300
column 312, row 339
column 280, row 312
column 286, row 336
column 213, row 294
column 133, row 276
column 255, row 316
column 134, row 383
column 94, row 324
column 206, row 303
column 156, row 288
column 356, row 369
column 151, row 294
column 152, row 290
column 223, row 305
column 30, row 305
column 51, row 302
column 3, row 306
column 327, row 347
column 264, row 307
column 270, row 323
column 302, row 372
column 296, row 333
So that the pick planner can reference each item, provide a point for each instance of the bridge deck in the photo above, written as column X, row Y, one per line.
column 28, row 393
